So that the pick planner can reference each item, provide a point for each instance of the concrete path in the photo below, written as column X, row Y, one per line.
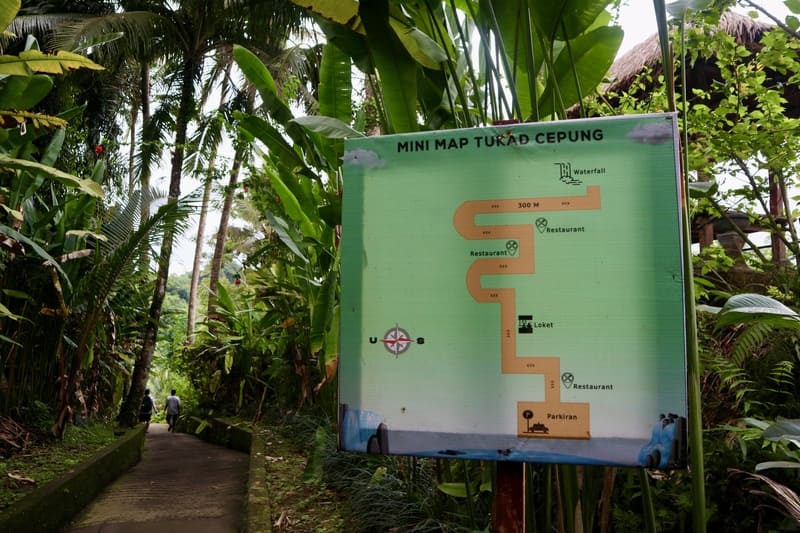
column 182, row 484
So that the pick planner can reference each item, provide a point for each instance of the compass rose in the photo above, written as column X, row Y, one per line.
column 397, row 340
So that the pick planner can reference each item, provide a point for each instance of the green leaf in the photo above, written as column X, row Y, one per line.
column 82, row 234
column 456, row 489
column 588, row 59
column 5, row 312
column 524, row 54
column 784, row 429
column 344, row 12
column 292, row 207
column 396, row 68
column 282, row 229
column 10, row 341
column 351, row 42
column 53, row 149
column 335, row 85
column 703, row 189
column 577, row 16
column 776, row 464
column 201, row 427
column 681, row 8
column 708, row 308
column 224, row 298
column 256, row 72
column 331, row 213
column 21, row 295
column 422, row 48
column 100, row 40
column 760, row 424
column 329, row 127
column 751, row 308
column 88, row 186
column 16, row 214
column 14, row 234
column 8, row 11
column 24, row 92
column 272, row 138
column 322, row 311
column 315, row 467
column 37, row 61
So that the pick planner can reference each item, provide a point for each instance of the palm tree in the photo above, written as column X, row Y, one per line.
column 185, row 36
column 227, row 205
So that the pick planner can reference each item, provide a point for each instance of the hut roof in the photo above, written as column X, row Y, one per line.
column 647, row 54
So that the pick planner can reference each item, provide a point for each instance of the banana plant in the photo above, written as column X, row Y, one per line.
column 47, row 216
column 303, row 176
column 536, row 59
column 237, row 347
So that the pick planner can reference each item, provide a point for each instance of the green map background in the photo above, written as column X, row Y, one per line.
column 614, row 292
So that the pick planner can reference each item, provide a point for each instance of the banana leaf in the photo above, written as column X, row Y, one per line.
column 335, row 86
column 579, row 68
column 84, row 185
column 396, row 68
column 8, row 11
column 752, row 308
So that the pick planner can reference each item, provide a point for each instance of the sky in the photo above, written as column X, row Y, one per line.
column 638, row 21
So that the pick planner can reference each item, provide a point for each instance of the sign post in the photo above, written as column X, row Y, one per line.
column 514, row 293
column 508, row 506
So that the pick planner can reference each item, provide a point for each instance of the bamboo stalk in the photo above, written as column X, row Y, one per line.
column 694, row 372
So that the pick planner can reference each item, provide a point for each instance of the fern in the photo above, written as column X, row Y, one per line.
column 736, row 380
column 782, row 375
column 751, row 340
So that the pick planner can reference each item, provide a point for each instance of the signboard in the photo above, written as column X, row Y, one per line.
column 516, row 293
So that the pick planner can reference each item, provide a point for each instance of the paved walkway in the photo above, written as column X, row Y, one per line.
column 182, row 484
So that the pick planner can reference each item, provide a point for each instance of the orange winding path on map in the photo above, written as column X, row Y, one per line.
column 566, row 419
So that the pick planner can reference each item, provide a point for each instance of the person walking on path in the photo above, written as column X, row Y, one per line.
column 173, row 410
column 146, row 410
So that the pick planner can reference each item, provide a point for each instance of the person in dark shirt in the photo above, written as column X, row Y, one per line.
column 146, row 409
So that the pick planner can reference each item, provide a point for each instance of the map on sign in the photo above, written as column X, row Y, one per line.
column 515, row 293
column 556, row 418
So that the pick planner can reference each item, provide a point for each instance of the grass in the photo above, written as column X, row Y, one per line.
column 297, row 504
column 45, row 460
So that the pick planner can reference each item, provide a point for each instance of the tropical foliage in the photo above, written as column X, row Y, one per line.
column 85, row 266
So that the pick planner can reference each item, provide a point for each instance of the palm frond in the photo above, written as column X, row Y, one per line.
column 39, row 24
column 113, row 270
column 783, row 495
column 142, row 33
column 153, row 140
column 205, row 140
column 120, row 227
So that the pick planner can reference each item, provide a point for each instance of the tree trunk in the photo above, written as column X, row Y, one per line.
column 141, row 369
column 201, row 224
column 131, row 153
column 144, row 173
column 198, row 255
column 222, row 232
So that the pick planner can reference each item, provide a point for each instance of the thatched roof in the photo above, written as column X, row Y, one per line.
column 647, row 54
column 702, row 73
